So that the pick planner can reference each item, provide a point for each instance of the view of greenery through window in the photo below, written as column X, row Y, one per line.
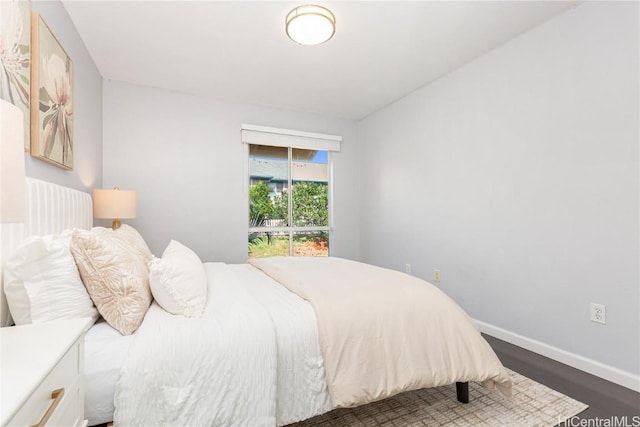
column 277, row 225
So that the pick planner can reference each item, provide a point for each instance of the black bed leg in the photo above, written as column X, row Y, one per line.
column 462, row 391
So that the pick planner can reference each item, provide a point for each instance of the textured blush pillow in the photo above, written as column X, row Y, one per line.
column 42, row 284
column 113, row 267
column 178, row 281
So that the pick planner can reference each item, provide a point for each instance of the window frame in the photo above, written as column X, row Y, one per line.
column 291, row 139
column 291, row 229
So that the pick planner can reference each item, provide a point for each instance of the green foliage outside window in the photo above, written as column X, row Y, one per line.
column 310, row 208
column 281, row 206
column 260, row 205
column 310, row 204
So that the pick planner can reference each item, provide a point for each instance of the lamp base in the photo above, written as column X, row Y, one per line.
column 115, row 224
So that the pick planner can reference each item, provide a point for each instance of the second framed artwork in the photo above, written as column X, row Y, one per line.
column 51, row 97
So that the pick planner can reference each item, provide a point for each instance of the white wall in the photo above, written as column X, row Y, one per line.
column 517, row 176
column 184, row 157
column 87, row 108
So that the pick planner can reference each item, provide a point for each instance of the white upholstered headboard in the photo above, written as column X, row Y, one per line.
column 51, row 209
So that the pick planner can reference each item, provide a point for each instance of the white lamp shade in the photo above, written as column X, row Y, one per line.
column 12, row 174
column 310, row 24
column 114, row 204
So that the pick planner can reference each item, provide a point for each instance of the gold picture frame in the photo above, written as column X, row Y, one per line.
column 51, row 97
column 15, row 62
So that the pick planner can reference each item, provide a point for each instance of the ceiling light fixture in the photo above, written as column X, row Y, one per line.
column 310, row 24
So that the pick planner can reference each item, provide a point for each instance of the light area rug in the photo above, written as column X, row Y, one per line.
column 532, row 404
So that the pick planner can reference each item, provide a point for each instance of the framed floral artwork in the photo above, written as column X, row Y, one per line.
column 51, row 97
column 15, row 57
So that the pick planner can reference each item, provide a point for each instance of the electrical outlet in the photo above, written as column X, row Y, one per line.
column 407, row 268
column 437, row 276
column 598, row 313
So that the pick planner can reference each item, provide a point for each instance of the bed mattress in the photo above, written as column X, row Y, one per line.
column 105, row 350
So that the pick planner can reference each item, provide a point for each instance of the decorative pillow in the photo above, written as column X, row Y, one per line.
column 178, row 281
column 113, row 267
column 42, row 284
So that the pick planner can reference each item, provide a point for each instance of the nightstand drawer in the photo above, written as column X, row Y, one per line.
column 67, row 413
column 66, row 409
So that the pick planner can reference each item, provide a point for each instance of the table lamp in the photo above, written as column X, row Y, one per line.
column 114, row 204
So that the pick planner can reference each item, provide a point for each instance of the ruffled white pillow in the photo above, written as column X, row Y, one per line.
column 178, row 281
column 42, row 283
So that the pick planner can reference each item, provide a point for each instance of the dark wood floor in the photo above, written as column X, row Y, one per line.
column 605, row 399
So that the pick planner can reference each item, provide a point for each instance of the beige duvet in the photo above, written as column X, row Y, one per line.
column 383, row 332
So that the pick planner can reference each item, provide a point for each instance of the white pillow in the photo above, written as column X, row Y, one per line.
column 178, row 281
column 42, row 283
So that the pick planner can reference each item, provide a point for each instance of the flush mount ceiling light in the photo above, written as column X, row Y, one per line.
column 310, row 24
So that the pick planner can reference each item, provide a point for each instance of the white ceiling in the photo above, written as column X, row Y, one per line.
column 238, row 50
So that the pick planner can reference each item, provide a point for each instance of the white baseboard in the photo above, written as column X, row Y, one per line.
column 609, row 373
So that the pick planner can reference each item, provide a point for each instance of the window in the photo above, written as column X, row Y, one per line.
column 289, row 192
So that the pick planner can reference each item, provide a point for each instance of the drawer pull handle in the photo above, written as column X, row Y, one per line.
column 56, row 395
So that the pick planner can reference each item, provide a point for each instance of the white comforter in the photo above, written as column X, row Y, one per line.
column 253, row 359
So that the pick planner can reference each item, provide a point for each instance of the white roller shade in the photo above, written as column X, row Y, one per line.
column 262, row 135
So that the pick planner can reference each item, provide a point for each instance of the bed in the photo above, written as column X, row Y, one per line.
column 270, row 348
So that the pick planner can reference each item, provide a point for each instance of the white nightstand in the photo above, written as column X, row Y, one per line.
column 37, row 362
